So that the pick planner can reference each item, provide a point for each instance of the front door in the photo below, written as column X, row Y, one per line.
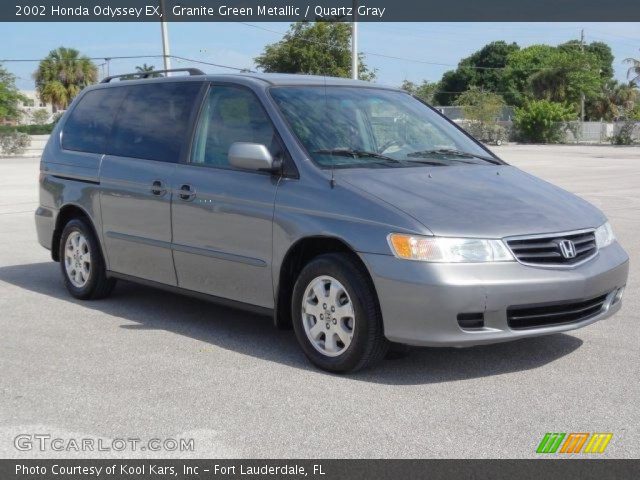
column 221, row 216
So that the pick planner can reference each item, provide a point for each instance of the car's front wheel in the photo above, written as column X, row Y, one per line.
column 336, row 316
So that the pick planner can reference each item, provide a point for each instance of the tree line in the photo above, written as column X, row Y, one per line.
column 560, row 81
column 569, row 74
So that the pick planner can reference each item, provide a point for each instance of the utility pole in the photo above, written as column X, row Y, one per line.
column 102, row 71
column 354, row 42
column 166, row 54
column 582, row 93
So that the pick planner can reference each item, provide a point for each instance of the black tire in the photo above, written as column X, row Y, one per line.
column 397, row 351
column 368, row 343
column 97, row 285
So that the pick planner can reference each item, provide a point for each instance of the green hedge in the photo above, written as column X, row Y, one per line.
column 28, row 129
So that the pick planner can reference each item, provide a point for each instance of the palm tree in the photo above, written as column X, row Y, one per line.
column 62, row 74
column 614, row 99
column 144, row 68
column 550, row 84
column 634, row 70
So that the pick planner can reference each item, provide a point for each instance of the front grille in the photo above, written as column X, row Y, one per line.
column 542, row 315
column 545, row 250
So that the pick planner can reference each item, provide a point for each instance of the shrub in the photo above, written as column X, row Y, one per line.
column 40, row 116
column 488, row 133
column 625, row 134
column 28, row 129
column 479, row 106
column 55, row 118
column 542, row 121
column 14, row 143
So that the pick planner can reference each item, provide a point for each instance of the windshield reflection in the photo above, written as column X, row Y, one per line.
column 346, row 127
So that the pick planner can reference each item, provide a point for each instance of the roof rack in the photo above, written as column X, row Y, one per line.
column 192, row 71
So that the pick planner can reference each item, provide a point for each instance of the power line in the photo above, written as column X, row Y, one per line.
column 202, row 62
column 394, row 57
column 617, row 42
column 616, row 35
column 130, row 57
column 4, row 60
column 326, row 44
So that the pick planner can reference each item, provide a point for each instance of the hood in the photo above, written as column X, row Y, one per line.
column 476, row 200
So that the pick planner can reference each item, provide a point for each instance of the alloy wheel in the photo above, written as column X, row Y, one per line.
column 77, row 259
column 328, row 316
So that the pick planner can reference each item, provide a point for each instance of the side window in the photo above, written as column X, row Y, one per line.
column 153, row 121
column 229, row 115
column 88, row 125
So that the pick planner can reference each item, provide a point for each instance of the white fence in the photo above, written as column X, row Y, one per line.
column 596, row 132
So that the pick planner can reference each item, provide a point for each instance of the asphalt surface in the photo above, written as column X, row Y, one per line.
column 147, row 364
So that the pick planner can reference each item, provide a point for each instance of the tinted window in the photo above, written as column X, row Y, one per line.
column 153, row 121
column 230, row 115
column 335, row 123
column 88, row 126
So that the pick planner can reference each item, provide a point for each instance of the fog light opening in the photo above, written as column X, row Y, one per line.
column 471, row 321
column 618, row 296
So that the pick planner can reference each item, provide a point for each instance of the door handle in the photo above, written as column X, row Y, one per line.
column 158, row 188
column 186, row 192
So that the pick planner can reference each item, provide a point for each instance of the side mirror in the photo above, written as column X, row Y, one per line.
column 252, row 156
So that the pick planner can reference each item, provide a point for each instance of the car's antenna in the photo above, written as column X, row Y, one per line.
column 332, row 182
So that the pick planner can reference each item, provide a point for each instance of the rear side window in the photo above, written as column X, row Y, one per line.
column 153, row 121
column 88, row 126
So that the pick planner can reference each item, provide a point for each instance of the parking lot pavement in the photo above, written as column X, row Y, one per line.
column 147, row 364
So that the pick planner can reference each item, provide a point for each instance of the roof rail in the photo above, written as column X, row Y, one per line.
column 192, row 71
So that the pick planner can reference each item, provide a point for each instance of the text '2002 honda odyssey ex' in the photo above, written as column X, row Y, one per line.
column 353, row 212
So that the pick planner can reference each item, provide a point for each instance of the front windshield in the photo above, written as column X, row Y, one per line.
column 346, row 127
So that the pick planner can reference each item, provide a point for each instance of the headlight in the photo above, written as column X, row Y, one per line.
column 445, row 249
column 604, row 235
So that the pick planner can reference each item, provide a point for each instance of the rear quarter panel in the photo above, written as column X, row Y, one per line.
column 68, row 178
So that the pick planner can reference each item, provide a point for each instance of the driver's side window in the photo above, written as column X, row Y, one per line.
column 230, row 114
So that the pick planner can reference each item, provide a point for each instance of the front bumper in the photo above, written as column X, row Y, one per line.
column 421, row 301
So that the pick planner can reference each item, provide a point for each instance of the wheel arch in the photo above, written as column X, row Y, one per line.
column 67, row 213
column 298, row 255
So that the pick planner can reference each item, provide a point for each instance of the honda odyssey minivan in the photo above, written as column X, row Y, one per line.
column 354, row 213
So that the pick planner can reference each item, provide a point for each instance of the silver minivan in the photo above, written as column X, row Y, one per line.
column 352, row 212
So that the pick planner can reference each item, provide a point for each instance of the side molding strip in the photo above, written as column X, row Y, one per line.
column 205, row 252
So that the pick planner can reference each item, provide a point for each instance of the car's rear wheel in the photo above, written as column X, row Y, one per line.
column 82, row 264
column 336, row 316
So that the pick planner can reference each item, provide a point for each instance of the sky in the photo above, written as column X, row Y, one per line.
column 426, row 50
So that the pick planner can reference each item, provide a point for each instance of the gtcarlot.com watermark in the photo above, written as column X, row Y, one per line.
column 42, row 442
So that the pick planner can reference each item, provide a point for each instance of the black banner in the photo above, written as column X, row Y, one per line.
column 319, row 469
column 313, row 10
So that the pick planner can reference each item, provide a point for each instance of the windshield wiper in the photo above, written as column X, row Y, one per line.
column 349, row 152
column 430, row 162
column 453, row 152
